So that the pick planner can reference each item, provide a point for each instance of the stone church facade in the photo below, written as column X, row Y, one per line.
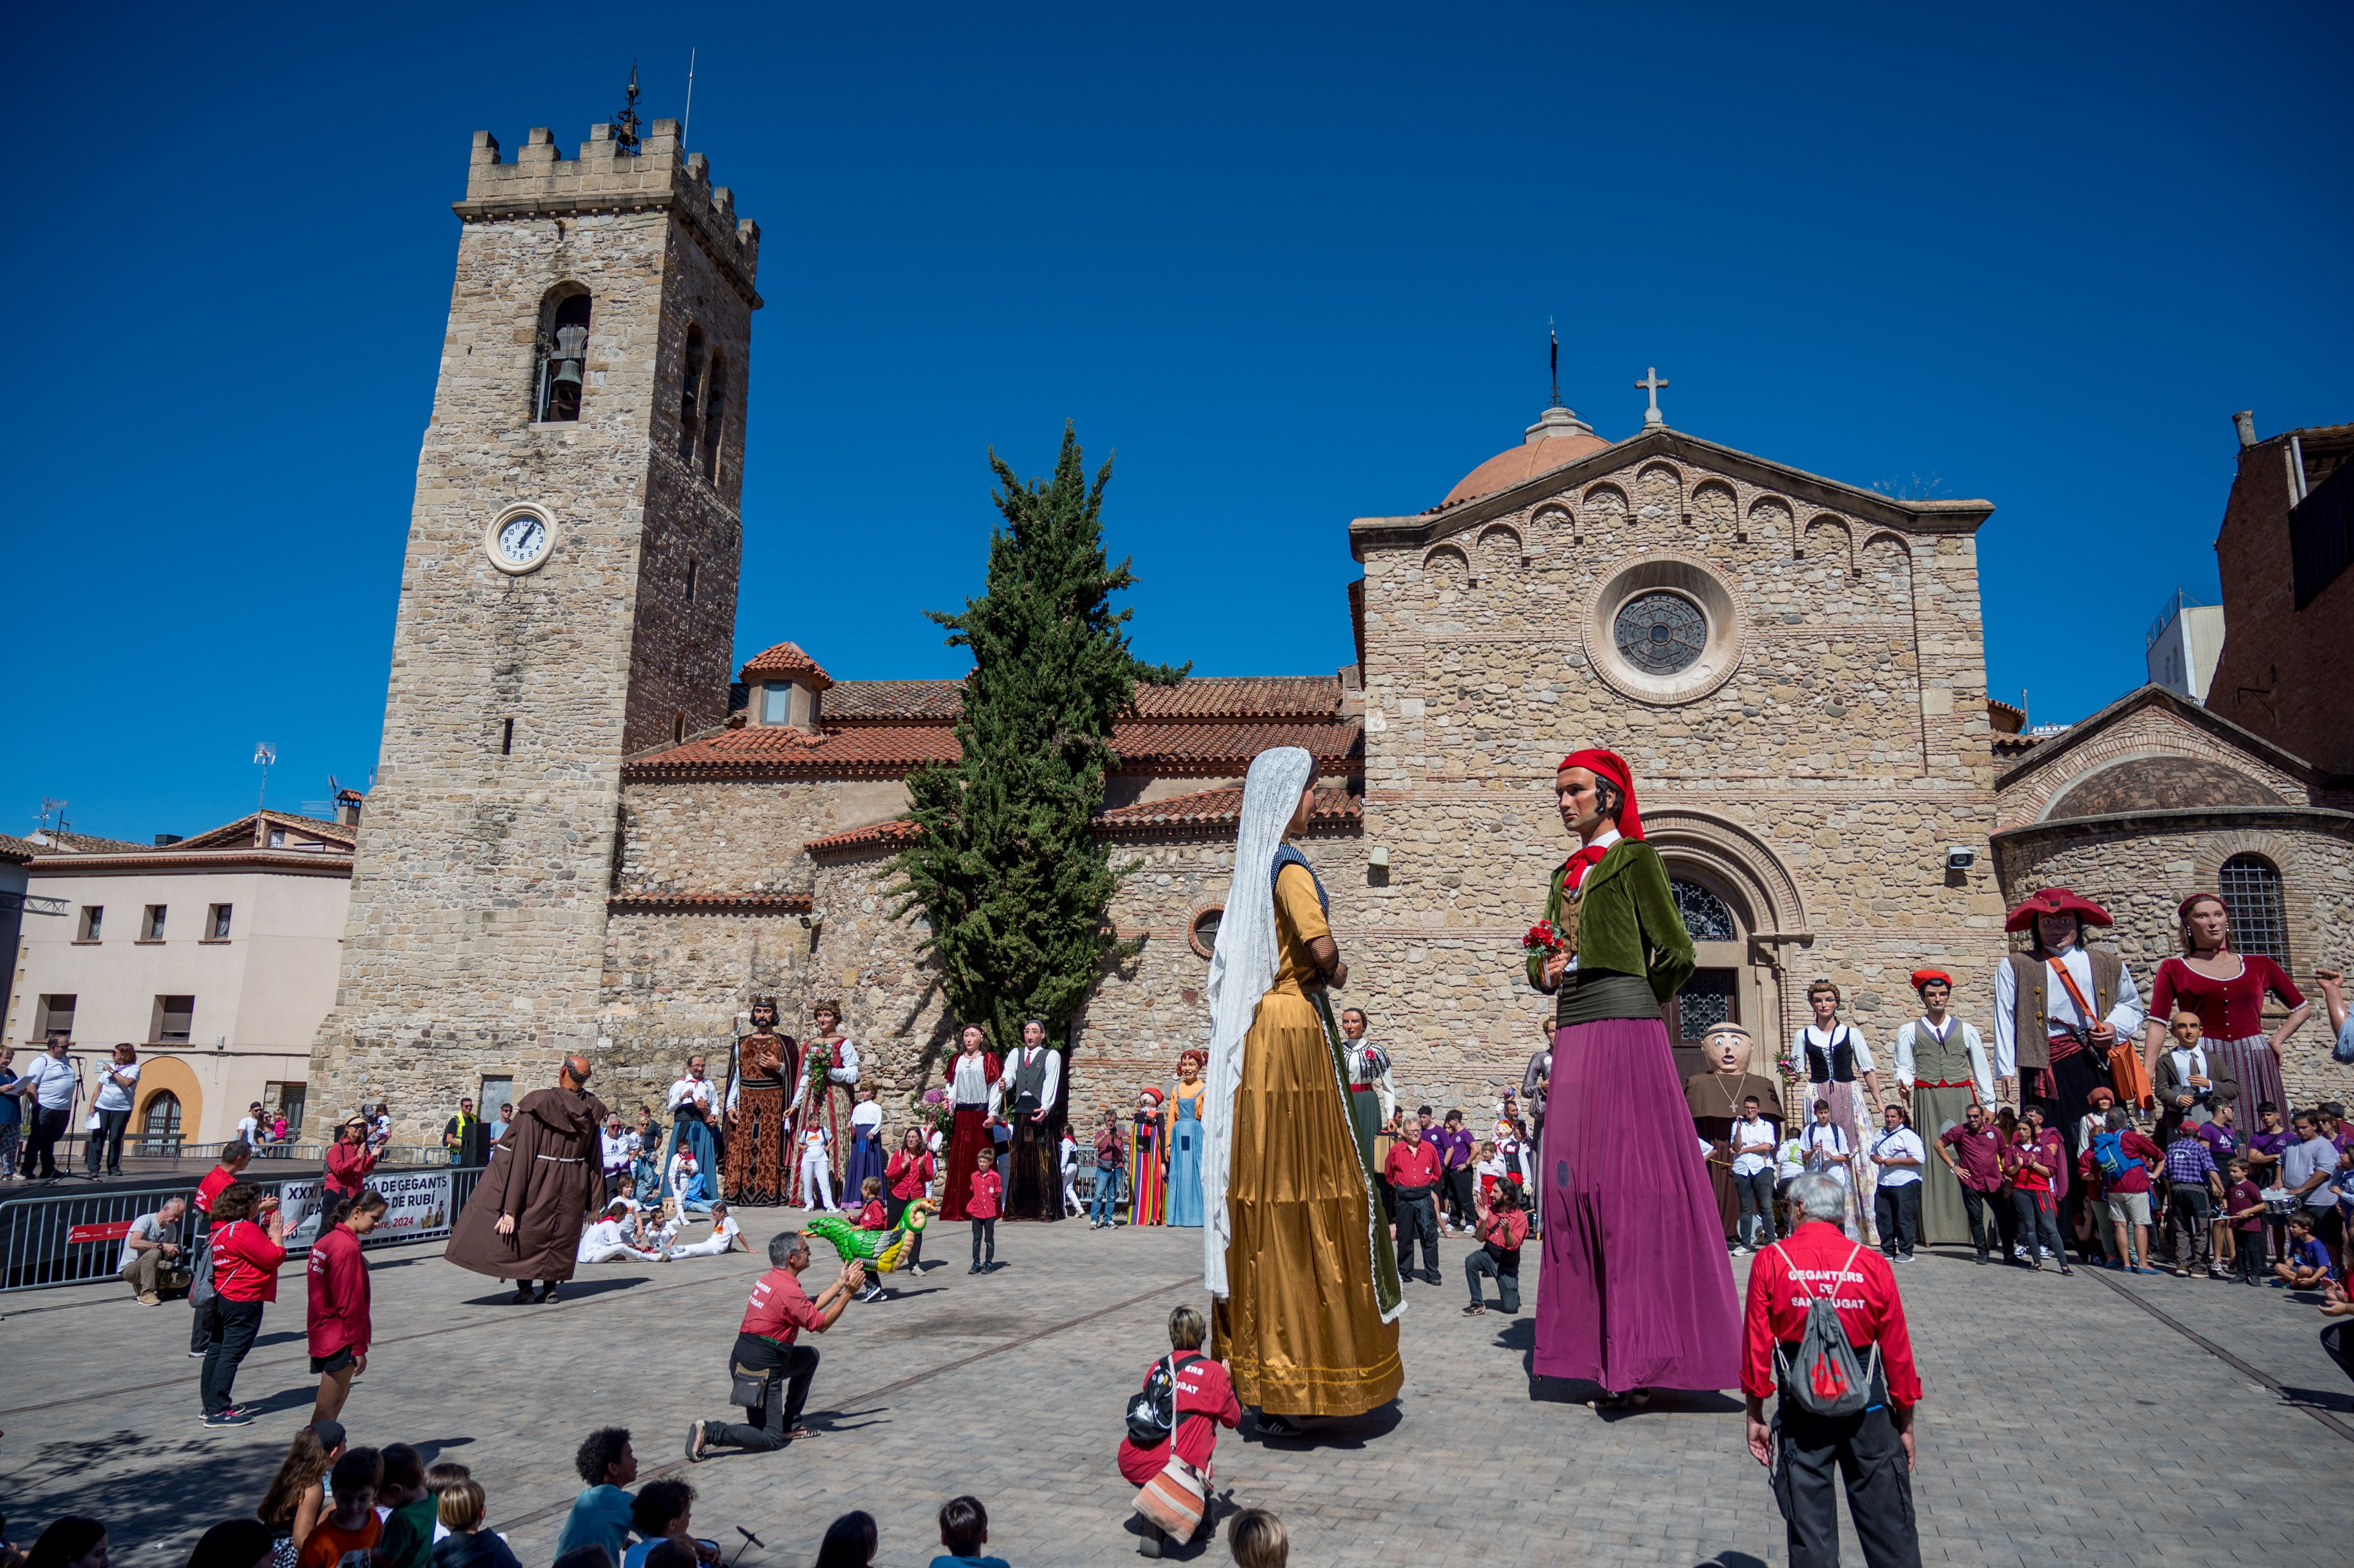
column 584, row 836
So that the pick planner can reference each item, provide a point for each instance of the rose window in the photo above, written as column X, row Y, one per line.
column 1659, row 633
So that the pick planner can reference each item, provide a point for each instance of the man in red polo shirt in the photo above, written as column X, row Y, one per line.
column 1973, row 1151
column 779, row 1310
column 234, row 1158
column 1871, row 1450
column 1415, row 1172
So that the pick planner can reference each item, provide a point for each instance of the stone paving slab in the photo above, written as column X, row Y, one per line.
column 2055, row 1430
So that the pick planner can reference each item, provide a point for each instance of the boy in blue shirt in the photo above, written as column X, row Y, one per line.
column 2307, row 1266
column 964, row 1531
column 600, row 1515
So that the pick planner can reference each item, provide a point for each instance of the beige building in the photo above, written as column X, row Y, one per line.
column 215, row 956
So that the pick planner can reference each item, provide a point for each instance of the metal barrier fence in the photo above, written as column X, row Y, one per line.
column 73, row 1149
column 70, row 1238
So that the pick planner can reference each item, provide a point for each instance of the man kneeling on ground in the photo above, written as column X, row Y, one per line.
column 779, row 1310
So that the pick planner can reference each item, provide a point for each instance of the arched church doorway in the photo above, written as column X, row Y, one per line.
column 1719, row 989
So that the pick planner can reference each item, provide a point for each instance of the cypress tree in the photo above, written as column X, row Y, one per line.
column 1007, row 870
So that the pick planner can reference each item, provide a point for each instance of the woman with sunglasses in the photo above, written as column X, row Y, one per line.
column 349, row 1160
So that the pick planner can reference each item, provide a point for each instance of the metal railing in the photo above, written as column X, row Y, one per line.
column 38, row 1249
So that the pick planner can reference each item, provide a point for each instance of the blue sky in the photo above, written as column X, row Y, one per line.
column 1293, row 263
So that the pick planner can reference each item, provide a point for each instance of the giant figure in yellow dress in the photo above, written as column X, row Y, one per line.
column 1295, row 1251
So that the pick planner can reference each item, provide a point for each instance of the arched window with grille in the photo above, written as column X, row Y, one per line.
column 2251, row 886
column 1713, row 994
column 690, row 396
column 159, row 1125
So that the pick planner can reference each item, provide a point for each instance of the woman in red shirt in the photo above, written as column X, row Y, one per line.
column 1205, row 1402
column 247, row 1252
column 2227, row 991
column 349, row 1159
column 907, row 1178
column 339, row 1328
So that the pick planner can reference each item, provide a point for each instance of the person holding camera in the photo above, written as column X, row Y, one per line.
column 248, row 1243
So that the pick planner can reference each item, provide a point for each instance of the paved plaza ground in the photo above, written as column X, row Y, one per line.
column 2064, row 1423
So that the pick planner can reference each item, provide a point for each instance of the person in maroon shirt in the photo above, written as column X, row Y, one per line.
column 778, row 1313
column 1204, row 1401
column 1973, row 1151
column 338, row 1328
column 1871, row 1451
column 349, row 1159
column 248, row 1243
column 1415, row 1172
column 2126, row 1195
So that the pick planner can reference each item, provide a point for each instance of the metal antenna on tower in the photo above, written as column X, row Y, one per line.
column 264, row 753
column 688, row 118
column 625, row 123
column 1555, row 336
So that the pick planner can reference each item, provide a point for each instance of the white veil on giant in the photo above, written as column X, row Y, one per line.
column 1242, row 970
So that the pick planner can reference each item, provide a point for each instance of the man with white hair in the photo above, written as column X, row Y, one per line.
column 1870, row 1449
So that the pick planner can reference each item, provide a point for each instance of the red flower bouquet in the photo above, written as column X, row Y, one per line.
column 1542, row 938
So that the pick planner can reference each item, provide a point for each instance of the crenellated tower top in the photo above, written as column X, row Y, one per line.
column 607, row 177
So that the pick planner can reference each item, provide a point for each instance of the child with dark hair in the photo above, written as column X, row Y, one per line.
column 964, row 1531
column 1257, row 1539
column 2307, row 1264
column 352, row 1525
column 600, row 1514
column 980, row 1206
column 663, row 1513
column 408, row 1540
column 1502, row 1231
column 2243, row 1211
column 849, row 1541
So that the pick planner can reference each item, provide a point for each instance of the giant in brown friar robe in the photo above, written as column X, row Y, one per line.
column 546, row 1172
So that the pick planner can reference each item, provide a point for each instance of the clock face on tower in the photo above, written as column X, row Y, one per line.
column 519, row 539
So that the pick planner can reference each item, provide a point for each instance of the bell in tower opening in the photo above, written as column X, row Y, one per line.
column 567, row 350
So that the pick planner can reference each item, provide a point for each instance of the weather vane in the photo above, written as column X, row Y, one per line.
column 625, row 123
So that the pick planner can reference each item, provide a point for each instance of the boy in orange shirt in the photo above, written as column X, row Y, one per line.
column 352, row 1527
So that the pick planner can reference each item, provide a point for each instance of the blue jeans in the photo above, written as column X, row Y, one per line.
column 1099, row 1210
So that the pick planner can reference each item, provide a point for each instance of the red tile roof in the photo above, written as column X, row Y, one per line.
column 1214, row 809
column 1221, row 809
column 785, row 659
column 709, row 904
column 1202, row 697
column 241, row 832
column 888, row 751
column 891, row 835
column 17, row 850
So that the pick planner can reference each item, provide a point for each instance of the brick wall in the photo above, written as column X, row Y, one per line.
column 2284, row 673
column 2140, row 869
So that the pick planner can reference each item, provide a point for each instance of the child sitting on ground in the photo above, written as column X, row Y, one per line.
column 468, row 1544
column 2307, row 1266
column 1256, row 1539
column 407, row 1538
column 440, row 1477
column 726, row 1236
column 352, row 1525
column 964, row 1524
column 600, row 1514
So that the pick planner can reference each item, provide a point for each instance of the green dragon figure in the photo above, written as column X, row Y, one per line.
column 884, row 1249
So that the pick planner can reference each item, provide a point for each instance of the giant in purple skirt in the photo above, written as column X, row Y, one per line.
column 1637, row 1288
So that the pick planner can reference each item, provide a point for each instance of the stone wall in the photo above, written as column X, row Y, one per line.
column 729, row 836
column 2140, row 870
column 2284, row 671
column 476, row 935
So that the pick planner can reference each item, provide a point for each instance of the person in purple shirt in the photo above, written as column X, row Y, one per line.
column 1454, row 1144
column 2265, row 1147
column 2225, row 1143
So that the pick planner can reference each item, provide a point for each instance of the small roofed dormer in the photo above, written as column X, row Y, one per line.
column 785, row 688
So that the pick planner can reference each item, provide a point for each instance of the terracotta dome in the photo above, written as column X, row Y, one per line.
column 1558, row 436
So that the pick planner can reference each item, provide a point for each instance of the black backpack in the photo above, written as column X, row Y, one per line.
column 1826, row 1377
column 1153, row 1411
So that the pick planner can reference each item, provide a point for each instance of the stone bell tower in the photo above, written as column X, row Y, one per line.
column 567, row 597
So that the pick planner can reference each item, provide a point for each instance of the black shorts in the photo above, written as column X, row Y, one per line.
column 334, row 1363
